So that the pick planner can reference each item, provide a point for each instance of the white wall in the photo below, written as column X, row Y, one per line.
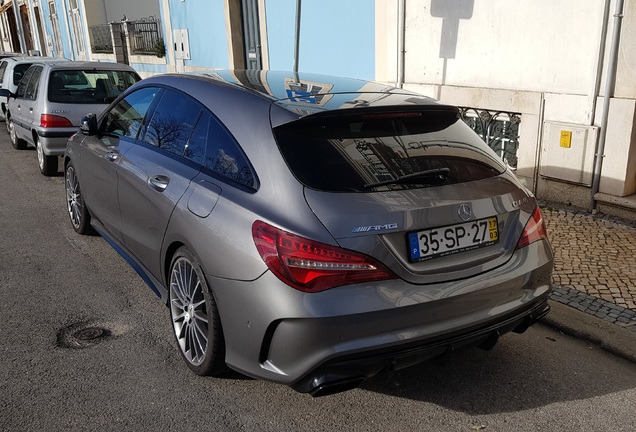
column 537, row 58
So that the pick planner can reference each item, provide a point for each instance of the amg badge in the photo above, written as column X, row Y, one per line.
column 384, row 227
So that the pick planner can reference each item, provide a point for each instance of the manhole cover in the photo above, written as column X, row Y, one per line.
column 89, row 333
column 81, row 335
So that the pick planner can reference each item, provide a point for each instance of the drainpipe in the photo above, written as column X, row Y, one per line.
column 609, row 92
column 401, row 36
column 297, row 39
column 599, row 64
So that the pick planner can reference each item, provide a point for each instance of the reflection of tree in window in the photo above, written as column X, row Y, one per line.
column 172, row 122
column 224, row 157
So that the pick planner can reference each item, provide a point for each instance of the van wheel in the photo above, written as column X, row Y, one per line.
column 48, row 164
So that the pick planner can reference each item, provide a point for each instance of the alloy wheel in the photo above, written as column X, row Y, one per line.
column 74, row 202
column 189, row 311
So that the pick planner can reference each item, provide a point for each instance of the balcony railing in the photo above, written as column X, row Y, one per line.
column 101, row 39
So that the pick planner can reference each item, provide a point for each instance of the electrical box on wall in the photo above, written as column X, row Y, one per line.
column 567, row 152
column 181, row 44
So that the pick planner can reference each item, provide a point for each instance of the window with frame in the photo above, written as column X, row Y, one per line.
column 3, row 69
column 34, row 82
column 224, row 157
column 23, row 83
column 126, row 117
column 77, row 25
column 172, row 122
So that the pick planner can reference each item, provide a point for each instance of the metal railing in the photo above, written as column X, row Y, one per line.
column 101, row 39
column 499, row 129
column 145, row 35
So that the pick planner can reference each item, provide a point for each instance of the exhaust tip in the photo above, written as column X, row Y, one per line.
column 337, row 386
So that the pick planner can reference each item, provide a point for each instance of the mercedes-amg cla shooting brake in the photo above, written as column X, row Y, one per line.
column 306, row 229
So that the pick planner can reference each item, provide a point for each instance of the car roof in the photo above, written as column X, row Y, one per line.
column 67, row 65
column 33, row 59
column 301, row 94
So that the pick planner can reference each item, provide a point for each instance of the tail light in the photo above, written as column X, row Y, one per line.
column 311, row 266
column 534, row 230
column 49, row 120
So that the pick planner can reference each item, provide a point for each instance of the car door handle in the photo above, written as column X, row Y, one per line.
column 158, row 182
column 112, row 156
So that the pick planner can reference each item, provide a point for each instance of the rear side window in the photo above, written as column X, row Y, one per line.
column 23, row 83
column 88, row 86
column 34, row 83
column 383, row 151
column 3, row 69
column 224, row 157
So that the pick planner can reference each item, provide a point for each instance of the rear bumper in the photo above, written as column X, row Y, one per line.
column 347, row 372
column 53, row 141
column 313, row 341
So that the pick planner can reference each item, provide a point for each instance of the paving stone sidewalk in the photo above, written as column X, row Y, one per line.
column 594, row 265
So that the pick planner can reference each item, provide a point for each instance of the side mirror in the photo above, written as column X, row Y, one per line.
column 5, row 92
column 88, row 125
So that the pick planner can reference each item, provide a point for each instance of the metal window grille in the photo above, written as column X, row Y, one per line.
column 498, row 129
column 144, row 35
column 101, row 39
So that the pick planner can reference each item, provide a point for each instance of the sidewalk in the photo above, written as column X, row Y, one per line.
column 594, row 273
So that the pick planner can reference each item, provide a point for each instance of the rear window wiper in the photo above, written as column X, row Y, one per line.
column 432, row 174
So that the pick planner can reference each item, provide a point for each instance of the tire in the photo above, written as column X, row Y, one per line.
column 16, row 142
column 195, row 317
column 80, row 217
column 47, row 164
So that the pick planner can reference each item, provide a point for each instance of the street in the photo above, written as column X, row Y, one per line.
column 54, row 282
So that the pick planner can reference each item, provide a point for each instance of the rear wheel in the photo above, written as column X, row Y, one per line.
column 47, row 164
column 16, row 142
column 195, row 317
column 80, row 217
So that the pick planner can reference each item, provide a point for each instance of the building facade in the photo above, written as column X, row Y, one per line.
column 530, row 78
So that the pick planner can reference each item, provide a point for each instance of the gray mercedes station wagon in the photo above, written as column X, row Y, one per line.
column 310, row 230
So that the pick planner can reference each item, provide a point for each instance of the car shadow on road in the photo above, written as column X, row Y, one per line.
column 511, row 377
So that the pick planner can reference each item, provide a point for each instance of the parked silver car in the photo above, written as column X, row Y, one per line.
column 12, row 69
column 310, row 230
column 51, row 99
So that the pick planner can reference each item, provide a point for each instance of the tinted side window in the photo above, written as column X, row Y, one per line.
column 195, row 149
column 19, row 71
column 224, row 156
column 34, row 82
column 3, row 68
column 126, row 117
column 23, row 83
column 172, row 122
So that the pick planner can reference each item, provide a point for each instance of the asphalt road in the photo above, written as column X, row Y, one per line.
column 53, row 282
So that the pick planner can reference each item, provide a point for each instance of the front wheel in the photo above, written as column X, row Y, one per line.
column 195, row 317
column 80, row 217
column 47, row 164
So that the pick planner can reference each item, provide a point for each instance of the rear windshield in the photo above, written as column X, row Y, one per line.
column 88, row 86
column 380, row 152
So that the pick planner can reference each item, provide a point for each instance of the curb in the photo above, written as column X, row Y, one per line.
column 610, row 337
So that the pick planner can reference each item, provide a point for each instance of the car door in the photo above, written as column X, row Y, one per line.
column 28, row 108
column 101, row 154
column 154, row 174
column 15, row 105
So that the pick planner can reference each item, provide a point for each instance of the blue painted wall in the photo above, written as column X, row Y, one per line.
column 62, row 19
column 337, row 36
column 205, row 21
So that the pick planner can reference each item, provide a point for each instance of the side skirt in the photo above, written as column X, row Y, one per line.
column 145, row 275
